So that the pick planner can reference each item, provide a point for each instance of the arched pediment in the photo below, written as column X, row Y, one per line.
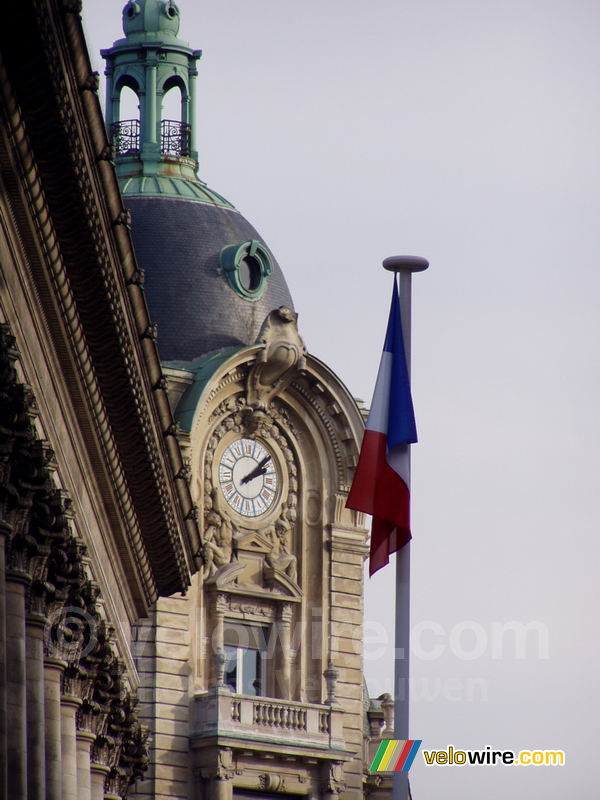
column 233, row 579
column 281, row 583
column 277, row 369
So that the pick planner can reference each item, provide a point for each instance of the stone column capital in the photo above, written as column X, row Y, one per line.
column 17, row 575
column 36, row 620
column 52, row 662
column 85, row 736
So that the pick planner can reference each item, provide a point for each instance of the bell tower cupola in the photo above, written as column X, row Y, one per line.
column 212, row 280
column 155, row 65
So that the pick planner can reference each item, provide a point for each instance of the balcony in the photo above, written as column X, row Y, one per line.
column 219, row 713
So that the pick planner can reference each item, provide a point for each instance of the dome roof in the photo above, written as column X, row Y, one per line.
column 178, row 243
column 210, row 279
column 151, row 16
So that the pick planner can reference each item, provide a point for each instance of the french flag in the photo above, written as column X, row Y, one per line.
column 382, row 480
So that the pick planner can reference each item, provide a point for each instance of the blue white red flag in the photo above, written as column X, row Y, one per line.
column 381, row 485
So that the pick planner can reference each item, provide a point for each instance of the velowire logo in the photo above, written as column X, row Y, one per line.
column 395, row 755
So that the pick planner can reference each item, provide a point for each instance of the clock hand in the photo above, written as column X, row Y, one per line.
column 252, row 475
column 257, row 471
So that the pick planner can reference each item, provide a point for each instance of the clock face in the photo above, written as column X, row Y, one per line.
column 248, row 477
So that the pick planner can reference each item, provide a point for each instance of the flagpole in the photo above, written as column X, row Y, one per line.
column 404, row 266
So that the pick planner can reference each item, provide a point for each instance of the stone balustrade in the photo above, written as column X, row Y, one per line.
column 221, row 713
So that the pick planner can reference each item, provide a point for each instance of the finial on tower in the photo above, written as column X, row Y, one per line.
column 151, row 16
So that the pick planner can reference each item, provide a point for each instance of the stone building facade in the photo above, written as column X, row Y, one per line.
column 181, row 585
column 95, row 524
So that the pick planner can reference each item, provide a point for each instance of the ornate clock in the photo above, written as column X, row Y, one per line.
column 248, row 477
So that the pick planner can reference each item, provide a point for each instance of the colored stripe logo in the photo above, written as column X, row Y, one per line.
column 395, row 755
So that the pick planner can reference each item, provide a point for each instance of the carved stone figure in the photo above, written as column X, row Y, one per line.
column 218, row 543
column 280, row 557
column 282, row 358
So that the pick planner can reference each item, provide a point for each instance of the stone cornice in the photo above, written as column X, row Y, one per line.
column 95, row 310
column 350, row 540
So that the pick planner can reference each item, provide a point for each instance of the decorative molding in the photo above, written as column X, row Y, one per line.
column 221, row 540
column 235, row 376
column 223, row 770
column 330, row 428
column 270, row 782
column 349, row 540
column 334, row 778
column 123, row 218
column 91, row 83
column 111, row 377
column 253, row 608
column 345, row 517
column 280, row 359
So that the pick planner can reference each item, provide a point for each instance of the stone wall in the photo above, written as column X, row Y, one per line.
column 162, row 651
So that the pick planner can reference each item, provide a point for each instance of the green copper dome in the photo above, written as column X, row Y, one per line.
column 147, row 18
column 162, row 186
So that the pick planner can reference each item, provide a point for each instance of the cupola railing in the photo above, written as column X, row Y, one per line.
column 125, row 137
column 175, row 138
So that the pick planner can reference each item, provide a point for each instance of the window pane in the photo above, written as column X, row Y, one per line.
column 231, row 668
column 245, row 649
column 239, row 635
column 251, row 672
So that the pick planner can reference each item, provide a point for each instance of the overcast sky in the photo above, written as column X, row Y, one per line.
column 467, row 132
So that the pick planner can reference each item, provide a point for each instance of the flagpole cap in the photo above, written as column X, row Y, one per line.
column 405, row 264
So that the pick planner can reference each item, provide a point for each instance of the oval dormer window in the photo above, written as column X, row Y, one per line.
column 247, row 267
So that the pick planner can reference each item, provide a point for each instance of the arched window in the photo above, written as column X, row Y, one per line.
column 125, row 132
column 129, row 104
column 175, row 130
column 172, row 105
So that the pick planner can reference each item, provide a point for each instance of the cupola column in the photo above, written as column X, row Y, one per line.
column 150, row 108
column 193, row 74
column 111, row 111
